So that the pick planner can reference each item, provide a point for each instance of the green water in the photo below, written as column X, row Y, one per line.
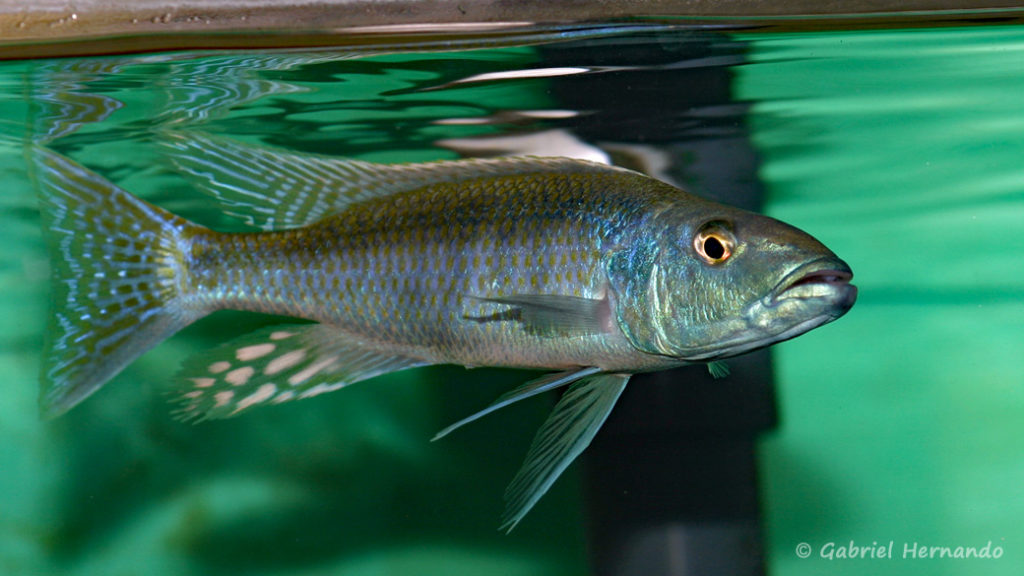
column 901, row 150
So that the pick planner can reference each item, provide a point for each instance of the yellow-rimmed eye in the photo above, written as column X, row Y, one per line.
column 714, row 244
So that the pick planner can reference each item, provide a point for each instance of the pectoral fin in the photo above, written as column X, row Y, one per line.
column 278, row 364
column 551, row 314
column 566, row 433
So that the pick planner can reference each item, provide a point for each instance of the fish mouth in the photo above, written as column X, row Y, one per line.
column 827, row 280
column 812, row 294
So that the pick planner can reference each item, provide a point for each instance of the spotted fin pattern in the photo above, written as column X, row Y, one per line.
column 275, row 365
column 117, row 287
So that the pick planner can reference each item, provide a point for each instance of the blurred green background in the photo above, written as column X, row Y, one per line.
column 900, row 149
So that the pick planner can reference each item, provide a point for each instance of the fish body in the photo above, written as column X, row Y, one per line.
column 590, row 271
column 432, row 273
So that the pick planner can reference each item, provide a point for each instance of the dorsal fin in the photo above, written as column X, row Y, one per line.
column 276, row 190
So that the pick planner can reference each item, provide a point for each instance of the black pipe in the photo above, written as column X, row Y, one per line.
column 671, row 479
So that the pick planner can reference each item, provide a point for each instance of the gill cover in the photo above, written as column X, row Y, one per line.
column 633, row 277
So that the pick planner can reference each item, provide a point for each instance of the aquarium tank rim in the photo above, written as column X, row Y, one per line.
column 57, row 28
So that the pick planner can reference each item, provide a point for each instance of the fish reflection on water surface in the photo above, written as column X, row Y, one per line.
column 590, row 271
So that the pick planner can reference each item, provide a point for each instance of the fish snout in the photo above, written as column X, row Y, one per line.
column 826, row 281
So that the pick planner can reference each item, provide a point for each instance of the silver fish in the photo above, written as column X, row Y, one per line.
column 590, row 271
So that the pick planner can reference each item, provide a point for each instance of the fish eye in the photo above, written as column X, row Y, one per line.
column 714, row 243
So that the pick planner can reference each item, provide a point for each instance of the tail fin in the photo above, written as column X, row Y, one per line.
column 118, row 278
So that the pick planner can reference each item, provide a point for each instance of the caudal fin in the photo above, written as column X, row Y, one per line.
column 118, row 278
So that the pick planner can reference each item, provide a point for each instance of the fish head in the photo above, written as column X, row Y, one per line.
column 721, row 281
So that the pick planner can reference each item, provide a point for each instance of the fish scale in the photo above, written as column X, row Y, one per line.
column 590, row 271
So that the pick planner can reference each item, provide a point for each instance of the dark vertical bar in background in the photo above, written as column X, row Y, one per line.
column 672, row 476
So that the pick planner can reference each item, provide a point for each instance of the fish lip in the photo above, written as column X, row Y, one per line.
column 825, row 271
column 807, row 309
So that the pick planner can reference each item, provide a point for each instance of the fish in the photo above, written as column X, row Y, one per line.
column 588, row 272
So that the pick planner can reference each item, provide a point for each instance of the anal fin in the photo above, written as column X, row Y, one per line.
column 278, row 364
